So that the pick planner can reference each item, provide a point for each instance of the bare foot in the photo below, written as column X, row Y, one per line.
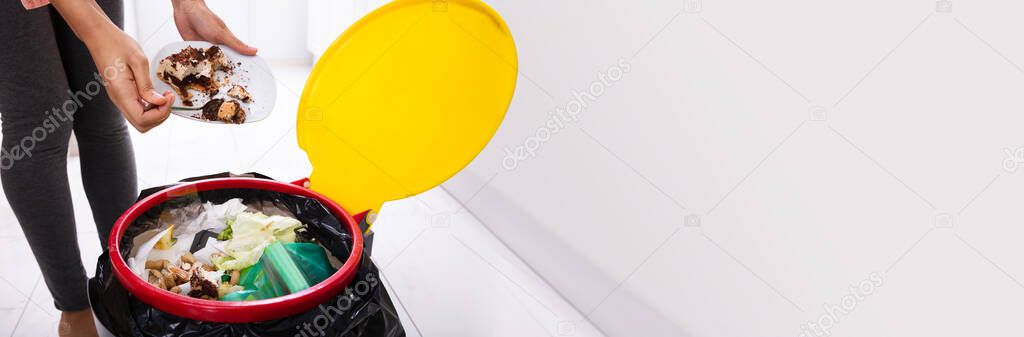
column 77, row 324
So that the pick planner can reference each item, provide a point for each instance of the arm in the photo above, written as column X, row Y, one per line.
column 123, row 65
column 119, row 61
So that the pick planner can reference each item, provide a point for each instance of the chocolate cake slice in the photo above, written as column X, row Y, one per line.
column 229, row 111
column 193, row 69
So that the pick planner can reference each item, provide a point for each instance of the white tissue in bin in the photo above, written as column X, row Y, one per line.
column 213, row 217
column 142, row 251
column 211, row 246
column 217, row 215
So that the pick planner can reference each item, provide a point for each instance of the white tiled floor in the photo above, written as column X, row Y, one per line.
column 447, row 273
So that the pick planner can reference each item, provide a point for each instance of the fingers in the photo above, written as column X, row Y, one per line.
column 144, row 84
column 149, row 119
column 160, row 114
column 227, row 38
column 196, row 22
column 125, row 95
column 146, row 105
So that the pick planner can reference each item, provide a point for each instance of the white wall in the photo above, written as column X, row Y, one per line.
column 327, row 20
column 277, row 28
column 713, row 121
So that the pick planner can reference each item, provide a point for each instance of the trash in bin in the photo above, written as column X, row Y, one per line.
column 361, row 307
column 249, row 243
column 306, row 264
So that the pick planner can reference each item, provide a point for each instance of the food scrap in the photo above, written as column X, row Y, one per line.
column 240, row 93
column 193, row 69
column 207, row 71
column 186, row 276
column 167, row 240
column 229, row 111
column 230, row 253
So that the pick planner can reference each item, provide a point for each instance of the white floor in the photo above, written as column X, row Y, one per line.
column 447, row 273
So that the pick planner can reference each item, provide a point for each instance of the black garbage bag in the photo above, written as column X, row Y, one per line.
column 364, row 309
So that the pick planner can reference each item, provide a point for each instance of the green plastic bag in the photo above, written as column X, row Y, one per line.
column 312, row 260
column 283, row 269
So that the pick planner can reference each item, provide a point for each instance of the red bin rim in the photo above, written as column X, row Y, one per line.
column 234, row 312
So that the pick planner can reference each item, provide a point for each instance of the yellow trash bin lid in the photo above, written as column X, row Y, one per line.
column 404, row 99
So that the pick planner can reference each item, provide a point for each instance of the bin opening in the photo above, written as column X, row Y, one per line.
column 327, row 223
column 249, row 247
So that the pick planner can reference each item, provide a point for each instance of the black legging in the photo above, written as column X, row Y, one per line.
column 40, row 61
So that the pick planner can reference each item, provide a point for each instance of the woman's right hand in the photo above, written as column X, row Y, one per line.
column 120, row 64
column 124, row 69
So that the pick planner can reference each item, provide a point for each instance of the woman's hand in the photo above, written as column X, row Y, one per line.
column 124, row 69
column 196, row 22
column 120, row 64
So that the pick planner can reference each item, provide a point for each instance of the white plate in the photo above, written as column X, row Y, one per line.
column 252, row 72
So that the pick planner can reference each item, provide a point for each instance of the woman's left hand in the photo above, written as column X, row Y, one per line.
column 196, row 22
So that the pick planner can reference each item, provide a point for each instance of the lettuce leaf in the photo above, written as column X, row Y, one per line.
column 250, row 235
